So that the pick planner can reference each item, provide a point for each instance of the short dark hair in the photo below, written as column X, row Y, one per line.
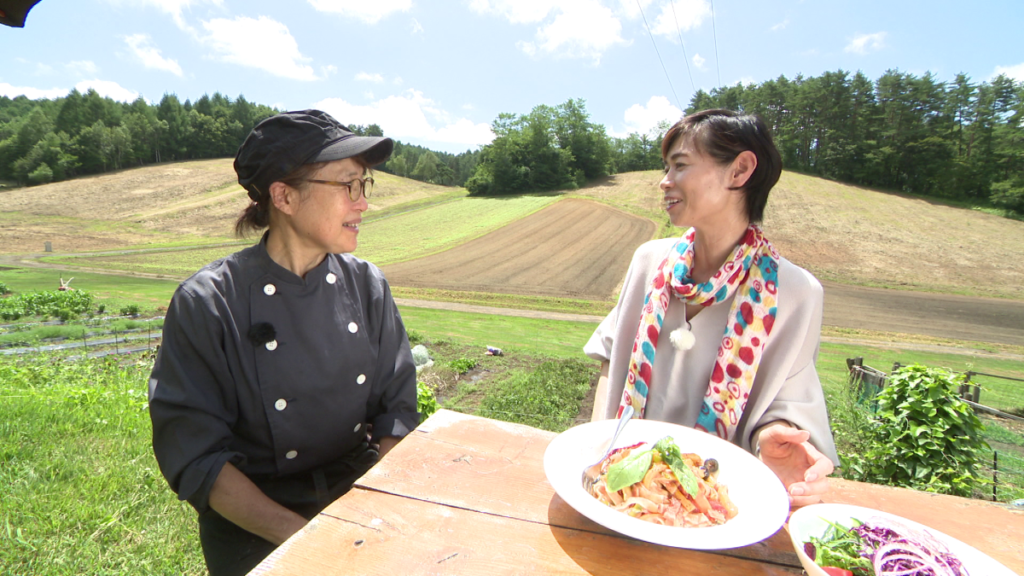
column 723, row 135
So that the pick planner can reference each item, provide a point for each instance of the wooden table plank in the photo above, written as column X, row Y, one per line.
column 498, row 468
column 372, row 533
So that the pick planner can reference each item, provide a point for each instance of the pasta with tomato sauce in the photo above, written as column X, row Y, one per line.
column 664, row 486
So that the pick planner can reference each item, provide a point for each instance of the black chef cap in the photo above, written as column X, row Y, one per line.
column 282, row 143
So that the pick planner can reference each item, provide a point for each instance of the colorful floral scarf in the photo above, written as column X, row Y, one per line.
column 752, row 274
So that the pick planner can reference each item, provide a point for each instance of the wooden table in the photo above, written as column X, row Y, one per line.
column 468, row 495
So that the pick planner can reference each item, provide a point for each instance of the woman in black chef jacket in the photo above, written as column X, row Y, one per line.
column 279, row 360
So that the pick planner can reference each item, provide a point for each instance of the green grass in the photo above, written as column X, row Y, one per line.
column 80, row 492
column 178, row 264
column 535, row 337
column 424, row 232
column 110, row 290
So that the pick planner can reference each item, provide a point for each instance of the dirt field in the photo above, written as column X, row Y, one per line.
column 574, row 248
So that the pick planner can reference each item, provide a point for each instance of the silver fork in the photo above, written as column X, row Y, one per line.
column 593, row 472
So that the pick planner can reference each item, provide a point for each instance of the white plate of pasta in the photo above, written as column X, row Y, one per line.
column 759, row 503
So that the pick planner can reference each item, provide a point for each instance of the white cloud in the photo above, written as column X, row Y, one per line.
column 369, row 12
column 150, row 56
column 698, row 61
column 31, row 93
column 410, row 115
column 1015, row 72
column 367, row 77
column 368, row 95
column 397, row 81
column 261, row 43
column 43, row 69
column 583, row 29
column 681, row 15
column 643, row 119
column 568, row 28
column 328, row 70
column 82, row 67
column 865, row 43
column 417, row 28
column 108, row 89
column 172, row 8
column 780, row 25
column 515, row 11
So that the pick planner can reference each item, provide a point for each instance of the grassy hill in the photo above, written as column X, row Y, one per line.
column 856, row 235
column 842, row 233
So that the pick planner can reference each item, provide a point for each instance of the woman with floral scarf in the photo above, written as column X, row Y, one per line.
column 714, row 329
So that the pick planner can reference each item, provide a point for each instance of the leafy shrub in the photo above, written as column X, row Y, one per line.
column 426, row 403
column 45, row 303
column 4, row 289
column 101, row 308
column 923, row 436
column 462, row 365
column 130, row 310
column 414, row 337
column 549, row 397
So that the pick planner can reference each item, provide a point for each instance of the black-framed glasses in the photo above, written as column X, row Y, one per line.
column 357, row 187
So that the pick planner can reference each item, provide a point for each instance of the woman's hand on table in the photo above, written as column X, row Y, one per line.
column 801, row 467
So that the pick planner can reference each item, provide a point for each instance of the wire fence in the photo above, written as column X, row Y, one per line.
column 998, row 400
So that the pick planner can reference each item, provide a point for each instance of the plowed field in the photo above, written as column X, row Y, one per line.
column 573, row 248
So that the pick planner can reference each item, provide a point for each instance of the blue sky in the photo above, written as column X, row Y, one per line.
column 438, row 73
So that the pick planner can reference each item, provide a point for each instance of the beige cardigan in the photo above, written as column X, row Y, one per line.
column 786, row 386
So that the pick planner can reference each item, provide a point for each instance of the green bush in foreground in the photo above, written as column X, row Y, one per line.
column 923, row 436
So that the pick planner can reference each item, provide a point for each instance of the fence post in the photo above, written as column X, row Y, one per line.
column 995, row 468
column 976, row 396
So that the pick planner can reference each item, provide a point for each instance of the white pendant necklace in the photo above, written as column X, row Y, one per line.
column 682, row 338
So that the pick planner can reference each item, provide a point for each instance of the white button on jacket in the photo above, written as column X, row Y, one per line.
column 270, row 289
column 291, row 454
column 281, row 404
column 331, row 278
column 353, row 327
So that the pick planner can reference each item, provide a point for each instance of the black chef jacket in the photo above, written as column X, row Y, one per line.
column 330, row 356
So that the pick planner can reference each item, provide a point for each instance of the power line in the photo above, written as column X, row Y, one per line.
column 685, row 57
column 659, row 54
column 715, row 32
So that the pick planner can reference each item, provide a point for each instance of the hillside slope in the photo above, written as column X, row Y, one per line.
column 182, row 202
column 842, row 233
column 855, row 235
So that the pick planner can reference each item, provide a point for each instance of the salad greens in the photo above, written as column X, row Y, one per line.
column 882, row 547
column 840, row 547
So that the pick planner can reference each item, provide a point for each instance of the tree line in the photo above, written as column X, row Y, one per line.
column 960, row 140
column 50, row 140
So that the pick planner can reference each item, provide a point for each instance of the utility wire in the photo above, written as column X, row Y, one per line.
column 685, row 58
column 651, row 34
column 715, row 32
